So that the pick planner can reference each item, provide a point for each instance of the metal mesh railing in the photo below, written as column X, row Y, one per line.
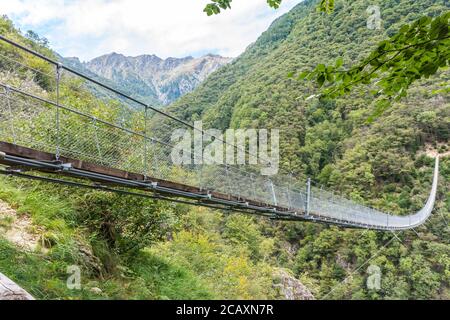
column 49, row 107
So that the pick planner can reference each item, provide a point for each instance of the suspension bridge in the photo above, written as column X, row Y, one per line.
column 53, row 120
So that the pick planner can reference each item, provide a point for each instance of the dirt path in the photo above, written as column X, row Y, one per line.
column 17, row 228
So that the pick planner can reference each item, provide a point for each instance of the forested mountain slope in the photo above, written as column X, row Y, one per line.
column 254, row 90
column 383, row 164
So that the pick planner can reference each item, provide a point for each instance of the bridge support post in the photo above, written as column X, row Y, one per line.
column 200, row 176
column 58, row 128
column 97, row 142
column 274, row 196
column 228, row 179
column 289, row 192
column 145, row 144
column 253, row 186
column 289, row 198
column 308, row 196
column 11, row 114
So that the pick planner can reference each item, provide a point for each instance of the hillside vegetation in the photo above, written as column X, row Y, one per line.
column 192, row 253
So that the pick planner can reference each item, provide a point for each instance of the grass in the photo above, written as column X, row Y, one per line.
column 44, row 275
column 47, row 210
column 39, row 275
column 197, row 263
column 170, row 281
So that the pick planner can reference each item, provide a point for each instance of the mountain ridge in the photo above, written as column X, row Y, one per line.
column 153, row 79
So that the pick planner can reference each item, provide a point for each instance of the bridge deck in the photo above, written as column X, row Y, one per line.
column 120, row 142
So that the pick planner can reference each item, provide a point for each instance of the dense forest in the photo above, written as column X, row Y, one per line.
column 191, row 253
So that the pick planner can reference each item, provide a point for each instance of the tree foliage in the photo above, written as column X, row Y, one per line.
column 216, row 6
column 418, row 50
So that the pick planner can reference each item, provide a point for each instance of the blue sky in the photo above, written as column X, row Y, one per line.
column 90, row 28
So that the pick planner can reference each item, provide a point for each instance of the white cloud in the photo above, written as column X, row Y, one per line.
column 88, row 28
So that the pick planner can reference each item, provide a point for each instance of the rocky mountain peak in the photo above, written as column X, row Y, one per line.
column 152, row 77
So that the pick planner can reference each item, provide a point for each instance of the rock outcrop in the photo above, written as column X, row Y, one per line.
column 289, row 287
column 9, row 290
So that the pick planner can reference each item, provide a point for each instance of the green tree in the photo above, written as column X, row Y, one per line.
column 216, row 5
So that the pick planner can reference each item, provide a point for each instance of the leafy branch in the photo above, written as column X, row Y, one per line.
column 417, row 51
column 216, row 6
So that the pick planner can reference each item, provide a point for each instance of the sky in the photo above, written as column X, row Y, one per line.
column 168, row 28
